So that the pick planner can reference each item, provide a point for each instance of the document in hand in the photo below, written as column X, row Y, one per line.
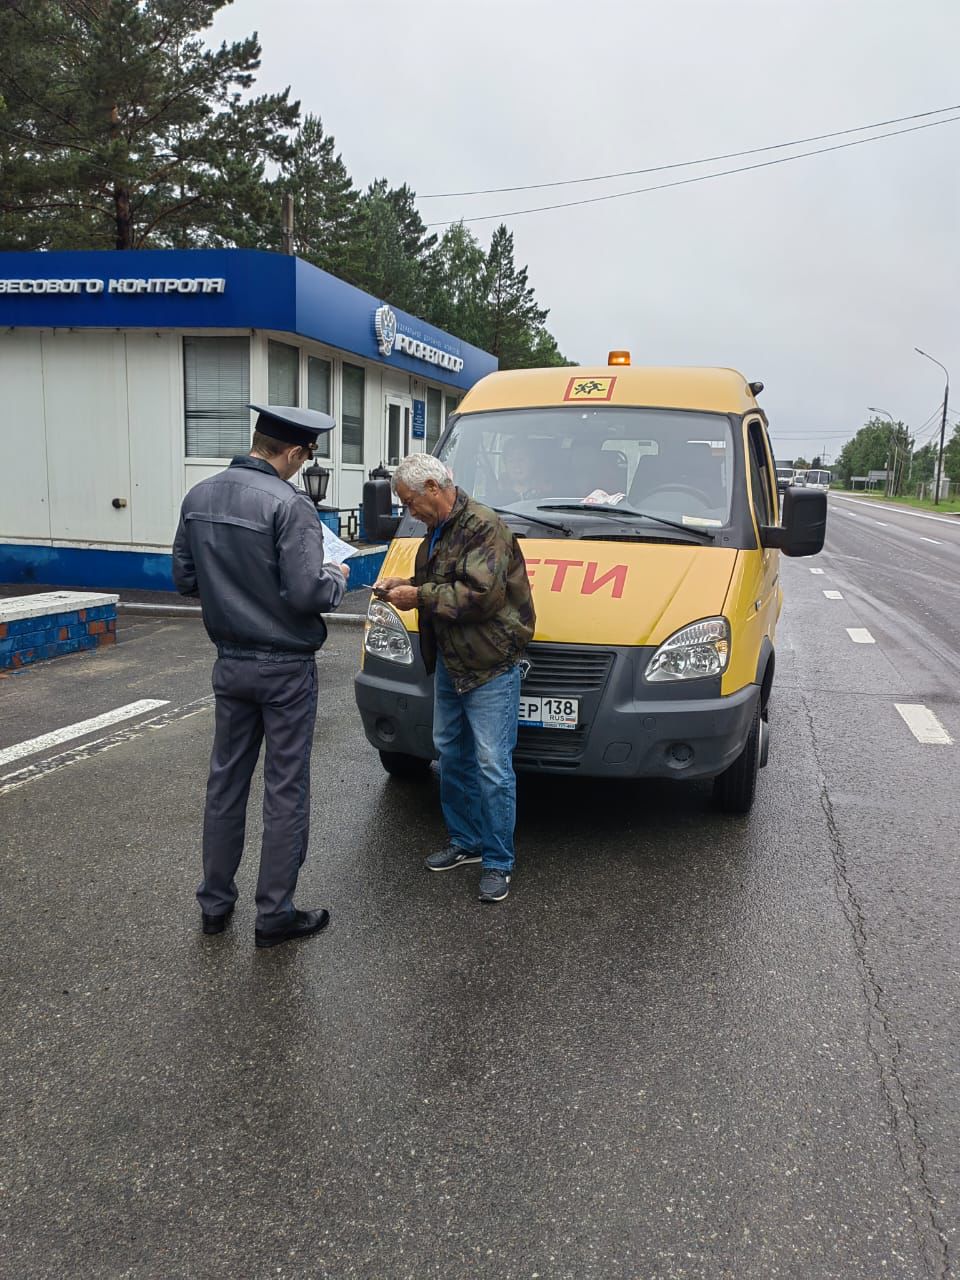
column 334, row 548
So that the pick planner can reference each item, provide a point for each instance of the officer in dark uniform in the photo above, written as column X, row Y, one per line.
column 250, row 545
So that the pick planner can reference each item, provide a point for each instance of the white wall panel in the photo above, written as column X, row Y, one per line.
column 156, row 431
column 88, row 455
column 194, row 472
column 24, row 504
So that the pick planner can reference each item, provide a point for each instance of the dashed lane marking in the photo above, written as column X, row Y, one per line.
column 882, row 523
column 860, row 635
column 52, row 764
column 936, row 541
column 833, row 595
column 816, row 570
column 923, row 724
column 79, row 730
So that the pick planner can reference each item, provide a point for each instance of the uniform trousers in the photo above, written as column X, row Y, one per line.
column 256, row 699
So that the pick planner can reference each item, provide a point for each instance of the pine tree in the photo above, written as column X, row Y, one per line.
column 513, row 328
column 124, row 129
column 326, row 203
column 390, row 252
column 455, row 289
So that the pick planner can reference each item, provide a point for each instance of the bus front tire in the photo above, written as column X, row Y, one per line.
column 735, row 788
column 399, row 765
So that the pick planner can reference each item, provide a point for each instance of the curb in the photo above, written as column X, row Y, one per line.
column 194, row 611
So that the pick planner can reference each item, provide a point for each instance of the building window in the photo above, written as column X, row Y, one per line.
column 216, row 391
column 351, row 416
column 319, row 375
column 283, row 374
column 434, row 407
column 449, row 407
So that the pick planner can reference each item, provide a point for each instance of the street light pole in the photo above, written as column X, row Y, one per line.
column 891, row 488
column 943, row 423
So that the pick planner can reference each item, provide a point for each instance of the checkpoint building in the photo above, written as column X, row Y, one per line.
column 125, row 376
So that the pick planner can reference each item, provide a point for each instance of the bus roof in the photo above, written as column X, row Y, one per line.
column 709, row 390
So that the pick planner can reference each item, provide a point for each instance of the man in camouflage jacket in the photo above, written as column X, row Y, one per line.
column 475, row 608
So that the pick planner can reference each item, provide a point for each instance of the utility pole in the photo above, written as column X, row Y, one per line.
column 287, row 224
column 943, row 424
column 890, row 486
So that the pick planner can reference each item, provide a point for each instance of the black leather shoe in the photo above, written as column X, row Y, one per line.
column 215, row 924
column 303, row 924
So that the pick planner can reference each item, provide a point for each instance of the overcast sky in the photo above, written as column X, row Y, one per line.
column 818, row 277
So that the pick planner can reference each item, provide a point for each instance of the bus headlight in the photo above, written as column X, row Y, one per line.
column 701, row 649
column 384, row 634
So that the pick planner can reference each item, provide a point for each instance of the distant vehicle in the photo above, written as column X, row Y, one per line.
column 785, row 478
column 817, row 480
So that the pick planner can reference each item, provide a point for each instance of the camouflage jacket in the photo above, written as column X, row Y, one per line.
column 473, row 596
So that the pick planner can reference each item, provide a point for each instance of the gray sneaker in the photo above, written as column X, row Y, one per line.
column 451, row 857
column 494, row 885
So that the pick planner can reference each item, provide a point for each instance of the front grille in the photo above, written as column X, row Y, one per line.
column 566, row 669
column 563, row 670
column 550, row 744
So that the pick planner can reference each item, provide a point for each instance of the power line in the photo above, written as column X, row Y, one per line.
column 808, row 435
column 703, row 177
column 686, row 164
column 934, row 430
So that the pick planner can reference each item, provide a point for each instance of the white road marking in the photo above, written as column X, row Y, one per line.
column 833, row 595
column 936, row 541
column 881, row 523
column 78, row 730
column 904, row 511
column 816, row 571
column 860, row 635
column 923, row 724
column 53, row 764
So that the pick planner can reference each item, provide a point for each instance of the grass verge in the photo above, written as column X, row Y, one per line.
column 947, row 506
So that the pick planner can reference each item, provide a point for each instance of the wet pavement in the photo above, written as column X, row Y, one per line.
column 685, row 1046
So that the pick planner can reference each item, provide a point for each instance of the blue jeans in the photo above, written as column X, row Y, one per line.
column 475, row 734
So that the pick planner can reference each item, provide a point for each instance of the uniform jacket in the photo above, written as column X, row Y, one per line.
column 473, row 596
column 250, row 545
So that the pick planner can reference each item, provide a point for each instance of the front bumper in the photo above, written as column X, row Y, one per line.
column 627, row 728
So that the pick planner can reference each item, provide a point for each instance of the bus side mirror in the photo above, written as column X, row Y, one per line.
column 379, row 522
column 803, row 524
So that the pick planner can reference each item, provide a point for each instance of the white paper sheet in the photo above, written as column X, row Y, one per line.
column 334, row 548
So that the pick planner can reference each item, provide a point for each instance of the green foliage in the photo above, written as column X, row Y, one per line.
column 121, row 128
column 390, row 250
column 327, row 205
column 124, row 129
column 924, row 466
column 456, row 283
column 801, row 464
column 512, row 322
column 879, row 445
column 951, row 455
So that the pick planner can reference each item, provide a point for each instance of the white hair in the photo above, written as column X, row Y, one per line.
column 417, row 468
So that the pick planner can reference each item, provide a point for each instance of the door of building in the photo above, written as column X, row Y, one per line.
column 396, row 428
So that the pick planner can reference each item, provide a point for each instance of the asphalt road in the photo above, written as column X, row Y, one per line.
column 685, row 1046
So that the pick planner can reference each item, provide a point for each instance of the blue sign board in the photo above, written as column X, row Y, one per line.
column 226, row 289
column 419, row 419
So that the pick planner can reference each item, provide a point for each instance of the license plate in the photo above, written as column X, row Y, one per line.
column 549, row 713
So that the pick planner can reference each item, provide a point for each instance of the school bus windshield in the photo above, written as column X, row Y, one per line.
column 668, row 463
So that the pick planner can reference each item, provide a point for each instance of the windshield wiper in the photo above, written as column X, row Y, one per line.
column 604, row 510
column 522, row 515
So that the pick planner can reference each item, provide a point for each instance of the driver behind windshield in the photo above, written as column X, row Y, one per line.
column 517, row 468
